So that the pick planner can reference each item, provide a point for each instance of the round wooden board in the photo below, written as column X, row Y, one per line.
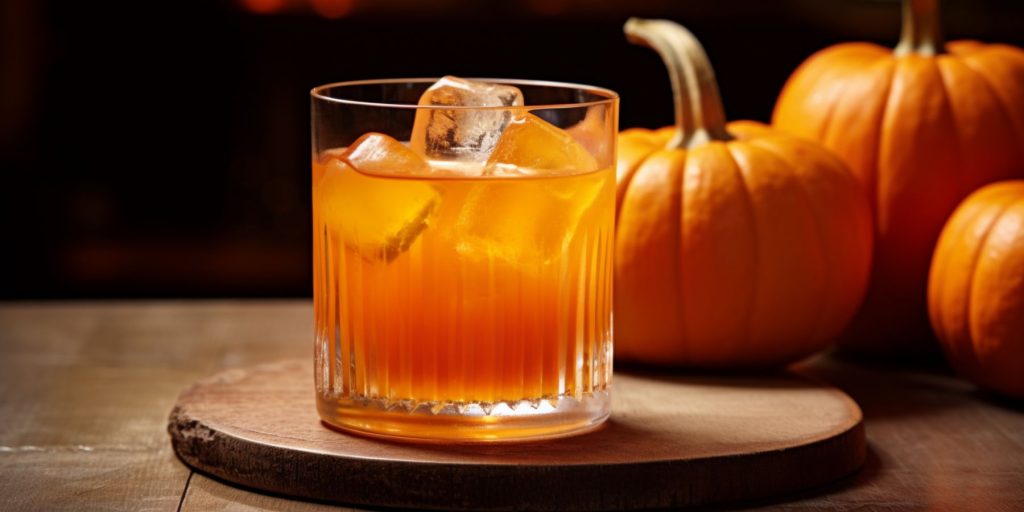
column 671, row 441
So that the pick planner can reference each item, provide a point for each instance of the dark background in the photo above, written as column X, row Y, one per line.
column 161, row 148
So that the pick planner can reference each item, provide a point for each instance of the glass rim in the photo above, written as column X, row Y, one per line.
column 609, row 96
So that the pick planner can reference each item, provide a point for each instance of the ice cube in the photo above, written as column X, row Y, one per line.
column 531, row 218
column 376, row 153
column 593, row 133
column 376, row 216
column 532, row 146
column 462, row 134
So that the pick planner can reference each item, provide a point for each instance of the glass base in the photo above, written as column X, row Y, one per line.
column 461, row 422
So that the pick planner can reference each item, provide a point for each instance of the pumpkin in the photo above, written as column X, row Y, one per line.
column 736, row 245
column 976, row 288
column 921, row 126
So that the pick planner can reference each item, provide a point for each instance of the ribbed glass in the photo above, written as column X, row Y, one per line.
column 486, row 315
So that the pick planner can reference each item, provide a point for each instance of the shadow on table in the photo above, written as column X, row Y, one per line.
column 752, row 378
column 892, row 389
column 997, row 400
column 867, row 379
column 868, row 474
column 883, row 388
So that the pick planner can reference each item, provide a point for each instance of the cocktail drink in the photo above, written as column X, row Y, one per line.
column 463, row 242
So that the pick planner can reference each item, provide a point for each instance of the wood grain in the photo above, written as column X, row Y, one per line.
column 85, row 388
column 670, row 442
column 209, row 495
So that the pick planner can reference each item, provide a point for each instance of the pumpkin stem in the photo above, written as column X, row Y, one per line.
column 700, row 117
column 922, row 30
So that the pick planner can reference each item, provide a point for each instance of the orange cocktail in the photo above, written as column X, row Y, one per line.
column 462, row 299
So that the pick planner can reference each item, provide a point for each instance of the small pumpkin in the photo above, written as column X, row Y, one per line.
column 976, row 288
column 921, row 126
column 736, row 245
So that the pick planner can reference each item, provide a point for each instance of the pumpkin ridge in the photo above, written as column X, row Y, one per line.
column 969, row 293
column 826, row 123
column 962, row 47
column 885, row 142
column 958, row 150
column 742, row 180
column 824, row 128
column 824, row 66
column 684, row 347
column 875, row 191
column 993, row 93
column 942, row 324
column 977, row 286
column 638, row 224
column 870, row 183
column 1018, row 129
column 628, row 178
column 1006, row 50
column 826, row 290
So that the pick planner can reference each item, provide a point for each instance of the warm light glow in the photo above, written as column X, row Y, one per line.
column 333, row 8
column 263, row 6
column 548, row 7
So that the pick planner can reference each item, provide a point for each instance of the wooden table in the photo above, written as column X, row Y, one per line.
column 85, row 389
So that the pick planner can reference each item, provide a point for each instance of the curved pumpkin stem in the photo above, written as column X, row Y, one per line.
column 700, row 117
column 922, row 28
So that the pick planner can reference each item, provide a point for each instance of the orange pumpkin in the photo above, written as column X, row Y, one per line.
column 976, row 288
column 736, row 245
column 921, row 126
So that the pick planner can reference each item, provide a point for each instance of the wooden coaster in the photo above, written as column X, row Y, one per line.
column 671, row 441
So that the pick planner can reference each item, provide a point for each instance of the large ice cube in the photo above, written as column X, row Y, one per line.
column 376, row 216
column 462, row 134
column 531, row 218
column 531, row 145
column 376, row 153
